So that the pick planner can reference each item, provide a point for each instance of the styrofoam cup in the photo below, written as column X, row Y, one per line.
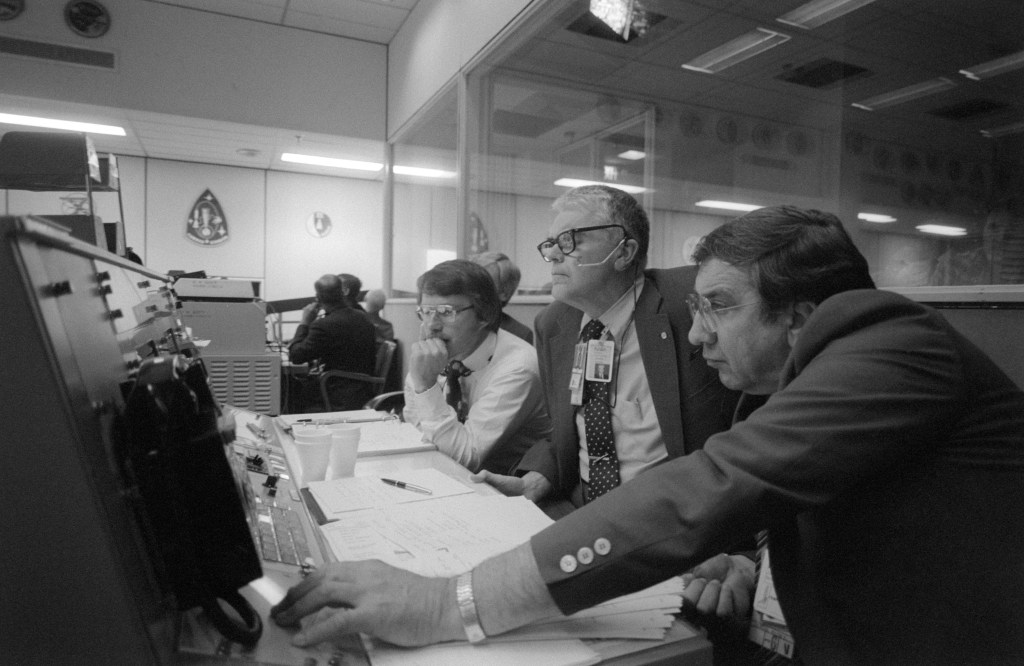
column 314, row 450
column 344, row 449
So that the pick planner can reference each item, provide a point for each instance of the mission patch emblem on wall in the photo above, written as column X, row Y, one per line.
column 318, row 224
column 206, row 224
column 87, row 18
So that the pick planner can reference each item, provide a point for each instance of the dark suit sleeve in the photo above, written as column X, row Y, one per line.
column 541, row 456
column 308, row 343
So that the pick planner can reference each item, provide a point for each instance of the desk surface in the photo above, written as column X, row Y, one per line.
column 678, row 648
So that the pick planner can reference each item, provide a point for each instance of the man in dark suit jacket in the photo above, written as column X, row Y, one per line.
column 667, row 400
column 342, row 339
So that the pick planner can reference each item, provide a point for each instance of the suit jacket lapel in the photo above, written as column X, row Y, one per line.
column 659, row 352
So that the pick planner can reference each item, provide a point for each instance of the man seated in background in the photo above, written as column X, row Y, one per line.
column 375, row 301
column 659, row 398
column 506, row 278
column 472, row 389
column 886, row 465
column 352, row 288
column 341, row 339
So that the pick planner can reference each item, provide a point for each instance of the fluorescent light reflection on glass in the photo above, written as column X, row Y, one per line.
column 1013, row 128
column 51, row 123
column 995, row 67
column 316, row 160
column 633, row 155
column 420, row 171
column 877, row 218
column 727, row 205
column 745, row 46
column 820, row 12
column 576, row 182
column 941, row 230
column 906, row 94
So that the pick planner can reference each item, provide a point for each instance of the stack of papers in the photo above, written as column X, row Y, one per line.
column 453, row 530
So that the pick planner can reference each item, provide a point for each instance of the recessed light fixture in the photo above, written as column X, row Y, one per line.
column 906, row 94
column 52, row 123
column 994, row 67
column 1012, row 128
column 316, row 160
column 877, row 218
column 577, row 182
column 727, row 205
column 633, row 155
column 616, row 14
column 941, row 230
column 745, row 46
column 820, row 12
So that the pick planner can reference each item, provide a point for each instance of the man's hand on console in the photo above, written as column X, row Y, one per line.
column 373, row 598
column 722, row 585
column 533, row 486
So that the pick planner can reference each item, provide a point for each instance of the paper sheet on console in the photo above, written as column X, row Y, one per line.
column 448, row 536
column 338, row 497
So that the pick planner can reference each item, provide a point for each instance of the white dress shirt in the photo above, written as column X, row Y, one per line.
column 506, row 407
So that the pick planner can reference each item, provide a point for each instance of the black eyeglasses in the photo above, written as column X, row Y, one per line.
column 445, row 313
column 566, row 241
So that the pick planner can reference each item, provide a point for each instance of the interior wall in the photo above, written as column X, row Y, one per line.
column 179, row 61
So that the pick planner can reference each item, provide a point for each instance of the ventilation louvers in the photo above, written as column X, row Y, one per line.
column 57, row 52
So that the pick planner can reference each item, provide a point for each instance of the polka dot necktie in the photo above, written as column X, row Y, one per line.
column 597, row 425
column 453, row 372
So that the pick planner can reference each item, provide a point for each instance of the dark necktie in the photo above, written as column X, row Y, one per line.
column 453, row 372
column 597, row 425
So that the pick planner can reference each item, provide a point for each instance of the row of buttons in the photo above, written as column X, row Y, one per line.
column 585, row 555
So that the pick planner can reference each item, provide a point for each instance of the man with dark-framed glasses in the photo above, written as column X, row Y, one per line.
column 472, row 389
column 624, row 388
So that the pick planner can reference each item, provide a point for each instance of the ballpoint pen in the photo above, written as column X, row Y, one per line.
column 408, row 486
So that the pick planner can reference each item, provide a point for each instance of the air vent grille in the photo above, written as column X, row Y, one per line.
column 969, row 109
column 57, row 52
column 822, row 73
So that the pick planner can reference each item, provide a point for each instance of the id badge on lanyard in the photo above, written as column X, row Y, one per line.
column 593, row 361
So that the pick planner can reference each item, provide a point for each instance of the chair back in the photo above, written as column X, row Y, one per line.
column 385, row 356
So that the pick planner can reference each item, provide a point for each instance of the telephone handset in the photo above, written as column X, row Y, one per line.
column 191, row 489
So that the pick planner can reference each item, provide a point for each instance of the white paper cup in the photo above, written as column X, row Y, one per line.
column 314, row 450
column 344, row 449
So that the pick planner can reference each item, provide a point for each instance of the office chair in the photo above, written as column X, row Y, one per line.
column 385, row 355
column 392, row 402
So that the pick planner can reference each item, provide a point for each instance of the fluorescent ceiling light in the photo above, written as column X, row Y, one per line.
column 316, row 160
column 745, row 46
column 616, row 14
column 727, row 205
column 820, row 12
column 877, row 218
column 941, row 230
column 1013, row 128
column 576, row 182
column 420, row 171
column 905, row 94
column 50, row 123
column 994, row 67
column 633, row 155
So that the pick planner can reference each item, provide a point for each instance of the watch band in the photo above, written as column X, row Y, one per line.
column 467, row 608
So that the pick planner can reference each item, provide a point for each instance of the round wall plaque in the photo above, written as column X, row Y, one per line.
column 10, row 9
column 87, row 18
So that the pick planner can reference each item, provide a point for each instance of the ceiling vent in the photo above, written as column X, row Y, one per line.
column 968, row 109
column 823, row 73
column 57, row 52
